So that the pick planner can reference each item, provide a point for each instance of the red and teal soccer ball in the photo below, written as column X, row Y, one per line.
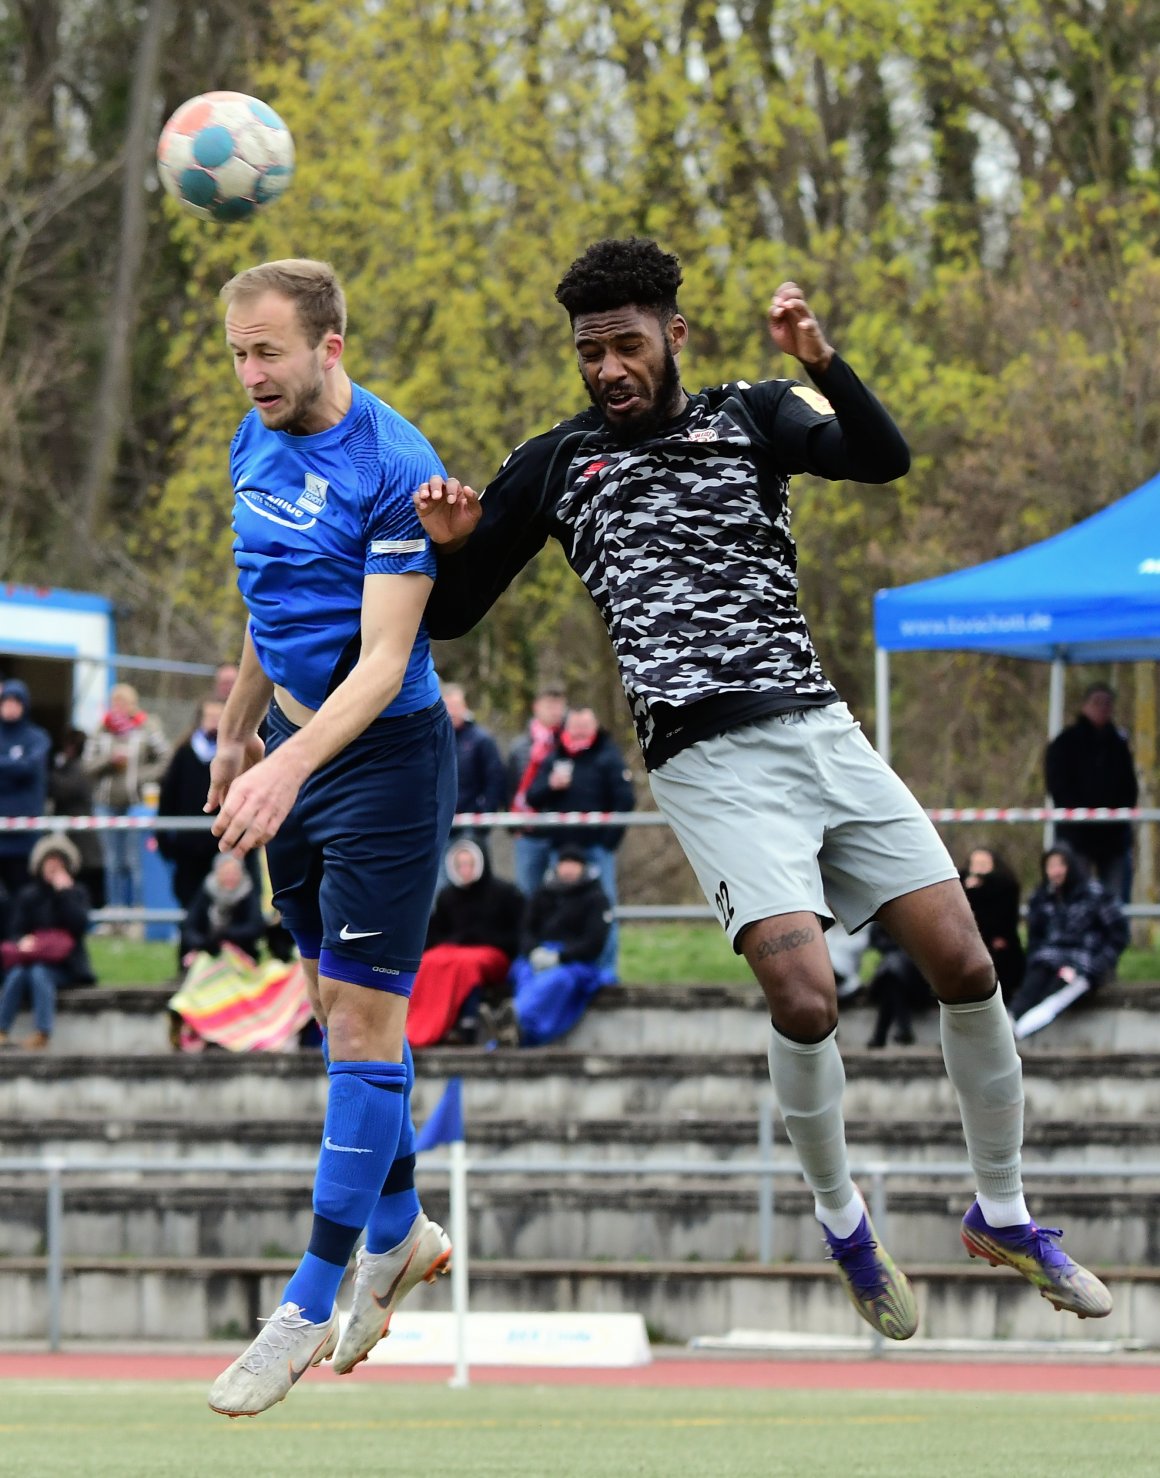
column 224, row 155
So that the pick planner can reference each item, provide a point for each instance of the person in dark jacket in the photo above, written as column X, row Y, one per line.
column 1090, row 764
column 46, row 952
column 1075, row 934
column 473, row 936
column 558, row 972
column 587, row 772
column 993, row 893
column 482, row 779
column 184, row 787
column 226, row 909
column 897, row 988
column 24, row 752
column 70, row 793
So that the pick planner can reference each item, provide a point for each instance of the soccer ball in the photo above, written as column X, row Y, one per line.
column 223, row 155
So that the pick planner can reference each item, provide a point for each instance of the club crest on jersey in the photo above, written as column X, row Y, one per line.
column 703, row 433
column 593, row 468
column 312, row 498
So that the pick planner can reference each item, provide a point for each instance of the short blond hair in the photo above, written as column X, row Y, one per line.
column 312, row 287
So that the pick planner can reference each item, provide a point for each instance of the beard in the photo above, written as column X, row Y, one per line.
column 292, row 413
column 647, row 423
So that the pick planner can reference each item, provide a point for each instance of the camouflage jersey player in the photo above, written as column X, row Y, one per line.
column 672, row 509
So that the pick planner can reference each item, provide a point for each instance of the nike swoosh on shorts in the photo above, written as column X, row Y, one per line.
column 346, row 932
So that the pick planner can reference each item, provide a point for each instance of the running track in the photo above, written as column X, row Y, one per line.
column 1111, row 1379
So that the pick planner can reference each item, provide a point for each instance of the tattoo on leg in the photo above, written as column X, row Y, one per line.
column 781, row 942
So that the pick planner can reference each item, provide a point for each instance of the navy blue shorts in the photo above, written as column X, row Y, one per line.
column 358, row 859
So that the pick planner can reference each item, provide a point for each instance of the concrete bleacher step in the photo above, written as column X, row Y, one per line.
column 687, row 1137
column 670, row 1019
column 190, row 1299
column 552, row 1083
column 592, row 1217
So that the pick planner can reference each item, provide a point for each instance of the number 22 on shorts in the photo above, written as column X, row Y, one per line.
column 724, row 903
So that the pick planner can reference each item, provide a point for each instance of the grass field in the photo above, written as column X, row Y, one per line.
column 55, row 1429
column 650, row 954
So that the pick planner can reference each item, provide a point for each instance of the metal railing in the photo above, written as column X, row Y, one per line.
column 873, row 1174
column 524, row 821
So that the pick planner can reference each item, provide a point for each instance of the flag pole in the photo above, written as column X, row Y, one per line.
column 460, row 1380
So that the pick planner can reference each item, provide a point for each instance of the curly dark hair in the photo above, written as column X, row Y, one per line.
column 615, row 274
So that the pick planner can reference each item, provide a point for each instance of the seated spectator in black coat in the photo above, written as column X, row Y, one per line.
column 46, row 949
column 898, row 989
column 1075, row 934
column 993, row 893
column 558, row 972
column 225, row 910
column 472, row 938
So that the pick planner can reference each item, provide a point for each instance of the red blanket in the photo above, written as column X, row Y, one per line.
column 447, row 976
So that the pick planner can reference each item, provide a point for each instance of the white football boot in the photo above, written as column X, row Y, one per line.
column 283, row 1352
column 383, row 1280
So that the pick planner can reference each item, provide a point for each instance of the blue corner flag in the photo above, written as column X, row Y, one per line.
column 445, row 1122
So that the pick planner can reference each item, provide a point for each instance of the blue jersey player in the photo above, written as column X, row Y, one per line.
column 352, row 793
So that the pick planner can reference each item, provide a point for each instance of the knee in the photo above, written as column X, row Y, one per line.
column 803, row 1009
column 966, row 975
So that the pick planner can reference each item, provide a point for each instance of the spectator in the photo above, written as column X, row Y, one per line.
column 473, row 936
column 846, row 951
column 897, row 988
column 482, row 782
column 1075, row 934
column 46, row 951
column 586, row 772
column 226, row 909
column 532, row 849
column 184, row 787
column 1090, row 763
column 24, row 751
column 70, row 793
column 993, row 893
column 224, row 678
column 127, row 752
column 558, row 972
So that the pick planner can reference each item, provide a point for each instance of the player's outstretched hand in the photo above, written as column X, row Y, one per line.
column 449, row 510
column 795, row 330
column 257, row 803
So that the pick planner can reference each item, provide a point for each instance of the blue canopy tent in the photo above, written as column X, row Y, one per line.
column 1089, row 594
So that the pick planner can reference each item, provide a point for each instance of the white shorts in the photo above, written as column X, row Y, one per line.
column 798, row 813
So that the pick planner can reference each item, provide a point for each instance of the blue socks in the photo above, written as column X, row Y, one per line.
column 364, row 1117
column 398, row 1205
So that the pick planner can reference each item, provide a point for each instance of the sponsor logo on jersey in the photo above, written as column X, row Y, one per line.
column 814, row 399
column 398, row 546
column 593, row 468
column 703, row 433
column 313, row 496
column 277, row 510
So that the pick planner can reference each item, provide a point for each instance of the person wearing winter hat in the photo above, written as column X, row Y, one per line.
column 47, row 950
column 558, row 972
column 24, row 752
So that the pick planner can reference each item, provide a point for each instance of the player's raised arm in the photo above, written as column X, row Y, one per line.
column 862, row 441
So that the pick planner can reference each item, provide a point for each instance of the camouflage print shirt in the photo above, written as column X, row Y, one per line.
column 683, row 541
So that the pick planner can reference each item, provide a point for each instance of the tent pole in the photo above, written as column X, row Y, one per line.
column 882, row 701
column 1054, row 724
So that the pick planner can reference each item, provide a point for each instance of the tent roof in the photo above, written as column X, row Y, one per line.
column 1089, row 594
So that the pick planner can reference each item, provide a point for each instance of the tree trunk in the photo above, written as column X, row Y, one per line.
column 110, row 409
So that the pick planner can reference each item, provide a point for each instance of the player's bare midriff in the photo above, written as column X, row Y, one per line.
column 296, row 712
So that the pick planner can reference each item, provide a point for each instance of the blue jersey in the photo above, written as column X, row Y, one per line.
column 315, row 514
